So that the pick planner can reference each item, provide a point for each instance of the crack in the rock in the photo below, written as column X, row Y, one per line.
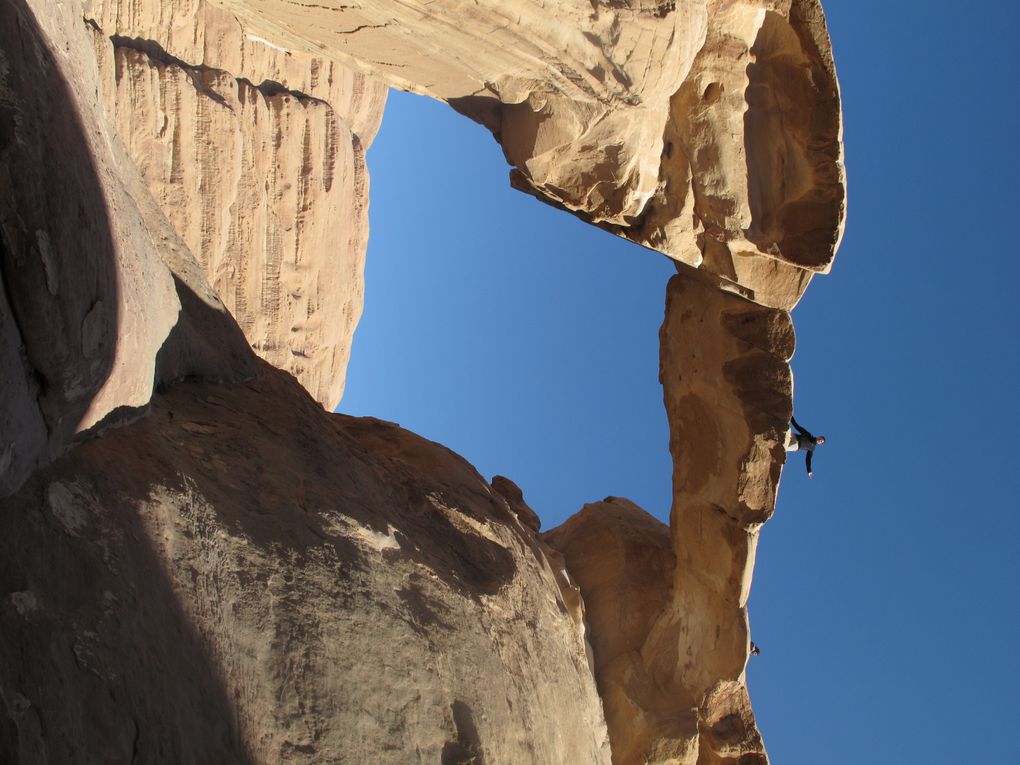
column 361, row 27
column 341, row 9
column 34, row 378
column 155, row 52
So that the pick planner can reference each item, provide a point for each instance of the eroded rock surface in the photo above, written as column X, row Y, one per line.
column 213, row 580
column 101, row 300
column 710, row 131
column 623, row 561
column 266, row 184
column 728, row 391
column 242, row 577
column 666, row 607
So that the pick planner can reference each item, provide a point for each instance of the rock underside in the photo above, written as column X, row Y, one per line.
column 198, row 563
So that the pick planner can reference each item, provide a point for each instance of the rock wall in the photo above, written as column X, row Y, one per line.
column 728, row 391
column 346, row 591
column 710, row 131
column 667, row 607
column 623, row 561
column 266, row 184
column 101, row 300
column 242, row 577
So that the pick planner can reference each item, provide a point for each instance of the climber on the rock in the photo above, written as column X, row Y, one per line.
column 803, row 441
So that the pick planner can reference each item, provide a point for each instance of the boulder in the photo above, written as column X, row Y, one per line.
column 242, row 577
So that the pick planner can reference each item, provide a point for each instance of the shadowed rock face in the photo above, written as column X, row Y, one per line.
column 241, row 577
column 94, row 277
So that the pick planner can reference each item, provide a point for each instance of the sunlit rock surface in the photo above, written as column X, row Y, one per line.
column 710, row 131
column 265, row 183
column 347, row 591
column 728, row 391
column 666, row 607
column 623, row 561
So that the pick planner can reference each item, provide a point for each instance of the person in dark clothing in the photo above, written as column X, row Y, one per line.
column 755, row 650
column 803, row 441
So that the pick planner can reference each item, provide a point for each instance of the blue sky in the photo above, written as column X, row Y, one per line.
column 885, row 599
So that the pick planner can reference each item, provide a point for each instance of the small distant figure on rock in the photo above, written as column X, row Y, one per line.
column 755, row 650
column 803, row 441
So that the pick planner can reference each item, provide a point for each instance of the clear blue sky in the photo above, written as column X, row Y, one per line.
column 886, row 594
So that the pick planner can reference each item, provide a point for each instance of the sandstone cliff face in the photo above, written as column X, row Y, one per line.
column 213, row 584
column 266, row 185
column 728, row 391
column 667, row 607
column 204, row 36
column 101, row 300
column 332, row 590
column 710, row 131
column 241, row 577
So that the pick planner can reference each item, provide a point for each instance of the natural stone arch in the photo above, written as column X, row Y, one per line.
column 589, row 133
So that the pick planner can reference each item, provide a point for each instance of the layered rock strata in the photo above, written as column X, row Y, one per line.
column 710, row 131
column 242, row 577
column 266, row 184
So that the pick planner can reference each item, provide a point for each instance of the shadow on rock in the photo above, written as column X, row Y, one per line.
column 59, row 303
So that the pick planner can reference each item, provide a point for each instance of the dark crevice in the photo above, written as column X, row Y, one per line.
column 361, row 27
column 155, row 52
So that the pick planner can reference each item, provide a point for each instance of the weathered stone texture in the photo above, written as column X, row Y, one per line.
column 710, row 131
column 203, row 35
column 267, row 185
column 666, row 607
column 242, row 577
column 728, row 391
column 623, row 562
column 100, row 297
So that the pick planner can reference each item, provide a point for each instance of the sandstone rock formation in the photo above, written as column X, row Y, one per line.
column 666, row 608
column 239, row 576
column 729, row 396
column 623, row 562
column 710, row 131
column 512, row 493
column 231, row 581
column 266, row 184
column 101, row 300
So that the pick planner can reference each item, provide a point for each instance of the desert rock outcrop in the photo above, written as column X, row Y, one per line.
column 710, row 131
column 242, row 577
column 623, row 562
column 265, row 183
column 197, row 561
column 101, row 300
column 666, row 608
column 728, row 391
